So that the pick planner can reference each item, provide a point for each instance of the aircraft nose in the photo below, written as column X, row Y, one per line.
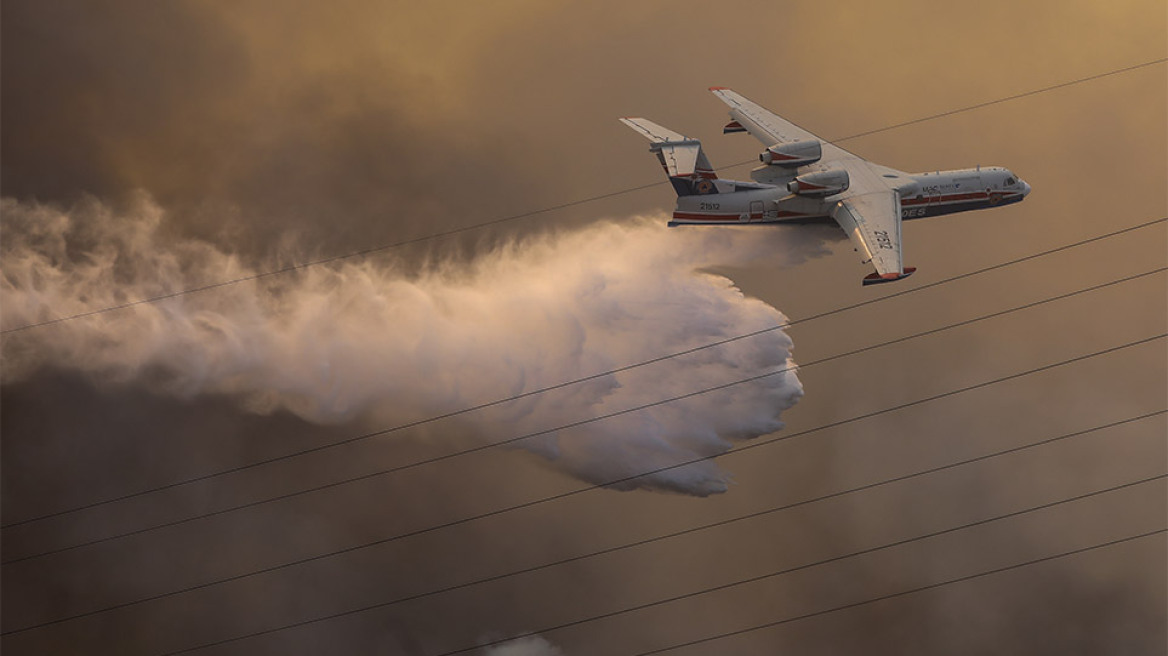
column 1025, row 189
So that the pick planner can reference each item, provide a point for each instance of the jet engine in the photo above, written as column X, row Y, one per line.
column 792, row 155
column 823, row 183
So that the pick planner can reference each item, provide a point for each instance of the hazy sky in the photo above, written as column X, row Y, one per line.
column 147, row 144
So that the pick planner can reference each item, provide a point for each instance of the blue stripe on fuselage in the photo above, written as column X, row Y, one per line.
column 939, row 209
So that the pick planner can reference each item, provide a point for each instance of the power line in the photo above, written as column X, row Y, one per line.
column 577, row 491
column 414, row 424
column 514, row 217
column 675, row 534
column 527, row 436
column 1007, row 99
column 789, row 570
column 982, row 105
column 326, row 260
column 372, row 250
column 903, row 593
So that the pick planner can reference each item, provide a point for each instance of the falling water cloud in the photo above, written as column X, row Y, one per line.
column 374, row 342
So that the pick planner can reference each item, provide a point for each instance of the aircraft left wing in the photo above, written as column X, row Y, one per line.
column 872, row 221
column 770, row 128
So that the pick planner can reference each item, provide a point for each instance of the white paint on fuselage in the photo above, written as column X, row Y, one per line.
column 921, row 195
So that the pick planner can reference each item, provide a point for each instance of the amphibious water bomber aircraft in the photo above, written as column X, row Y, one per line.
column 804, row 179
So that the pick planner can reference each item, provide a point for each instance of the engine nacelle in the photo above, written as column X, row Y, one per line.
column 792, row 155
column 823, row 183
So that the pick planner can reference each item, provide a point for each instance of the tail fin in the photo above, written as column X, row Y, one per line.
column 682, row 158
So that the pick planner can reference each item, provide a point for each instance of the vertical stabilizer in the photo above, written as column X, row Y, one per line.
column 682, row 158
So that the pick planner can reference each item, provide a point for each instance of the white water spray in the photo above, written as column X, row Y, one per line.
column 369, row 341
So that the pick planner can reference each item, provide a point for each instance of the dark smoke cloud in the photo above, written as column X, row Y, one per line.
column 172, row 98
column 271, row 132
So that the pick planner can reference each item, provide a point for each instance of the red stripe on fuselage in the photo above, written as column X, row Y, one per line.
column 696, row 216
column 700, row 216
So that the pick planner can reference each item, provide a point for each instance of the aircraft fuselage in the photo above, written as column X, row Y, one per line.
column 922, row 195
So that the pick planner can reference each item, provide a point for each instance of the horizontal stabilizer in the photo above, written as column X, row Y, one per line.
column 876, row 278
column 654, row 132
column 681, row 157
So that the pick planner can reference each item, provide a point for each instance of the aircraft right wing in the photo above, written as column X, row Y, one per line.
column 869, row 211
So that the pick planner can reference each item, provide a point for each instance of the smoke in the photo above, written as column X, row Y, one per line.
column 529, row 646
column 371, row 342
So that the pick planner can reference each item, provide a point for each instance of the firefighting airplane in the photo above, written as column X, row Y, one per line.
column 805, row 179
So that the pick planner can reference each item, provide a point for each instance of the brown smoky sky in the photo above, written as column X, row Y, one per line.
column 279, row 131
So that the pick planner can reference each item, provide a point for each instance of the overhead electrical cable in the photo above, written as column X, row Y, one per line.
column 589, row 420
column 414, row 424
column 932, row 586
column 391, row 470
column 577, row 491
column 1017, row 96
column 688, row 531
column 769, row 575
column 513, row 217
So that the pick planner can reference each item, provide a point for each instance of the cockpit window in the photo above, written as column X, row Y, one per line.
column 1009, row 181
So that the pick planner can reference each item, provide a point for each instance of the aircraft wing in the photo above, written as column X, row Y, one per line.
column 872, row 221
column 770, row 128
column 869, row 211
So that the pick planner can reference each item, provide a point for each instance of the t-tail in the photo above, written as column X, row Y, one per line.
column 682, row 158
